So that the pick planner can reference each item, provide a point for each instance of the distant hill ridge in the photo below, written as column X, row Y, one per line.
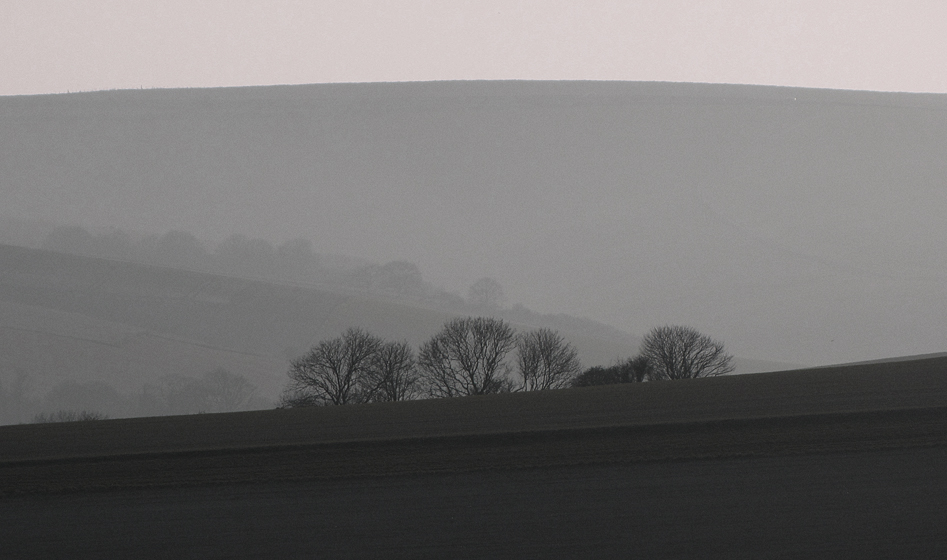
column 68, row 317
column 495, row 89
column 792, row 223
column 86, row 319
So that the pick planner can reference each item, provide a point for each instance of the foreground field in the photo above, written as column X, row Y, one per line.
column 828, row 461
column 856, row 505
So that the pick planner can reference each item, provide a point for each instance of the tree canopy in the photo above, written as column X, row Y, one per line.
column 679, row 352
column 468, row 357
column 546, row 361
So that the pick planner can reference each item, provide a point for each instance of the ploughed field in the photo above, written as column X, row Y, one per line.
column 849, row 460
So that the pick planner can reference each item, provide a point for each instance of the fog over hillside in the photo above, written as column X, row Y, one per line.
column 794, row 224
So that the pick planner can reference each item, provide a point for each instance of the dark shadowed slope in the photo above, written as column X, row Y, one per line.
column 844, row 462
column 767, row 410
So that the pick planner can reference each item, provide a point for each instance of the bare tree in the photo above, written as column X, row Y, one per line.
column 225, row 391
column 468, row 357
column 486, row 293
column 546, row 361
column 636, row 370
column 677, row 352
column 336, row 371
column 394, row 373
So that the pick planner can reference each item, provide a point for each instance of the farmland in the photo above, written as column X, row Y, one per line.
column 76, row 318
column 804, row 461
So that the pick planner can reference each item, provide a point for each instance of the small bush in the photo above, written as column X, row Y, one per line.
column 68, row 416
column 632, row 370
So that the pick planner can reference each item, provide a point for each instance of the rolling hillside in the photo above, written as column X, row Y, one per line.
column 825, row 462
column 798, row 225
column 66, row 317
column 913, row 384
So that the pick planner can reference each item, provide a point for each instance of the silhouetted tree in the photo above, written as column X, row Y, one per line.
column 394, row 375
column 225, row 392
column 546, row 361
column 632, row 370
column 486, row 293
column 468, row 357
column 597, row 375
column 636, row 370
column 678, row 352
column 335, row 372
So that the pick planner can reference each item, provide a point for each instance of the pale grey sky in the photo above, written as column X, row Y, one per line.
column 53, row 46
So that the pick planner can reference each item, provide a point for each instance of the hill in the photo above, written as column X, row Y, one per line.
column 70, row 318
column 89, row 320
column 912, row 384
column 819, row 462
column 794, row 224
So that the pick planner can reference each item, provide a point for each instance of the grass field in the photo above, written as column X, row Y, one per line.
column 822, row 461
column 128, row 324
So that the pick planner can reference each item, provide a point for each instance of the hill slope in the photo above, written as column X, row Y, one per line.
column 826, row 462
column 795, row 224
column 66, row 317
column 887, row 404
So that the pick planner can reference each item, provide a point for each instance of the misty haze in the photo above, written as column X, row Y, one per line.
column 798, row 225
column 167, row 254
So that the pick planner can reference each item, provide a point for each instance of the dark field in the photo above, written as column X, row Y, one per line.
column 836, row 462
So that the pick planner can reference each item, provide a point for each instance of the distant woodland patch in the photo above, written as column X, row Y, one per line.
column 483, row 355
column 295, row 261
column 165, row 325
column 239, row 255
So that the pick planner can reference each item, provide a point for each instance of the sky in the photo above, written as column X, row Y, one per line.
column 59, row 46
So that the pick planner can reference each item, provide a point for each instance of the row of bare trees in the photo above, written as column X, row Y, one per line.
column 666, row 353
column 469, row 356
column 357, row 367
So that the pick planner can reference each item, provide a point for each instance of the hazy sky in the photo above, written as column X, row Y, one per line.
column 52, row 46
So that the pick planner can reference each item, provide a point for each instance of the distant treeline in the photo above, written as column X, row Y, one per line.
column 468, row 356
column 484, row 355
column 214, row 391
column 293, row 261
